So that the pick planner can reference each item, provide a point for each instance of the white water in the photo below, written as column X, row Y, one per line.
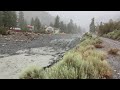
column 11, row 66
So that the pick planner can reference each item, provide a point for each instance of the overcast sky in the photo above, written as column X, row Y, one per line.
column 83, row 18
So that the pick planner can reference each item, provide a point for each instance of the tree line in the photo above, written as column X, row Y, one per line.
column 10, row 19
column 104, row 28
column 66, row 28
column 38, row 27
column 7, row 20
column 34, row 22
column 71, row 27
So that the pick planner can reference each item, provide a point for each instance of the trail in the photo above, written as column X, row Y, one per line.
column 113, row 60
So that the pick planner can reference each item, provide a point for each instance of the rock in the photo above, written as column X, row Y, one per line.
column 118, row 73
column 21, row 40
column 3, row 45
column 5, row 36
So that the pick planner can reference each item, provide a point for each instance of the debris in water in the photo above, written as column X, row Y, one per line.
column 118, row 73
column 3, row 45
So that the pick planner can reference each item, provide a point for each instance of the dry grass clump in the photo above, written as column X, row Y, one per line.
column 98, row 46
column 113, row 51
column 32, row 72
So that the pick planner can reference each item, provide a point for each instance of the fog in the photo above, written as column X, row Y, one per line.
column 83, row 18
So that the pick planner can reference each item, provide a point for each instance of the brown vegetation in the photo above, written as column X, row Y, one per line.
column 98, row 46
column 113, row 51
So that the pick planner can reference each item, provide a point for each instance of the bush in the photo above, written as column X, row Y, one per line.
column 75, row 66
column 86, row 36
column 32, row 72
column 98, row 46
column 108, row 27
column 3, row 31
column 113, row 51
column 113, row 35
column 25, row 29
column 41, row 30
column 61, row 72
column 91, row 41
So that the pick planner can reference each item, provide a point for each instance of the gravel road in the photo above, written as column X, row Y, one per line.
column 113, row 60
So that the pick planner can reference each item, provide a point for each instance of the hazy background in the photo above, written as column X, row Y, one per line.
column 83, row 18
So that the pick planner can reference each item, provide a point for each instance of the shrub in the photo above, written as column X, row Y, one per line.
column 3, row 31
column 98, row 46
column 32, row 72
column 98, row 40
column 113, row 35
column 91, row 41
column 108, row 27
column 61, row 72
column 113, row 51
column 93, row 54
column 85, row 36
column 74, row 67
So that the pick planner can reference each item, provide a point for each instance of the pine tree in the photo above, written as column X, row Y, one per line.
column 92, row 26
column 13, row 19
column 1, row 18
column 70, row 26
column 62, row 26
column 57, row 22
column 100, row 28
column 75, row 28
column 24, row 27
column 79, row 30
column 7, row 19
column 32, row 22
column 37, row 24
column 21, row 19
column 51, row 24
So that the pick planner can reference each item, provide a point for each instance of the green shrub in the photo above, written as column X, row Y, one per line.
column 108, row 27
column 61, row 72
column 73, row 66
column 3, row 31
column 113, row 35
column 91, row 41
column 32, row 72
column 86, row 36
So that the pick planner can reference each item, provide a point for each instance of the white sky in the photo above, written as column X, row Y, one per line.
column 83, row 18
